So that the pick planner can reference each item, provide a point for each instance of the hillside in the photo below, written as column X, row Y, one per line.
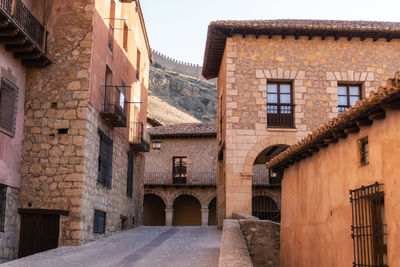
column 189, row 95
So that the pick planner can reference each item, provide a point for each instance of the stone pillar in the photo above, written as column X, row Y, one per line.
column 204, row 217
column 169, row 214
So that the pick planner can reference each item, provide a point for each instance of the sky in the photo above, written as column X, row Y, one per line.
column 178, row 28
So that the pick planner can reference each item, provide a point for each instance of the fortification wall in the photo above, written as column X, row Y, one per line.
column 189, row 69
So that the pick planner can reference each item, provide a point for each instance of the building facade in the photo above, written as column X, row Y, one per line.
column 85, row 128
column 22, row 46
column 278, row 80
column 340, row 188
column 179, row 183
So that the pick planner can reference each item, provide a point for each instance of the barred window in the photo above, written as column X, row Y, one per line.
column 99, row 226
column 369, row 226
column 8, row 105
column 129, row 182
column 105, row 160
column 3, row 192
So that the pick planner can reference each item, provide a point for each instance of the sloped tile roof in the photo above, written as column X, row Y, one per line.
column 218, row 31
column 364, row 110
column 185, row 129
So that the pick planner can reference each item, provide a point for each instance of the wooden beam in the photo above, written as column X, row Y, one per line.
column 389, row 38
column 8, row 32
column 352, row 129
column 363, row 37
column 330, row 140
column 296, row 35
column 13, row 40
column 323, row 36
column 378, row 115
column 336, row 36
column 375, row 38
column 310, row 36
column 363, row 122
column 322, row 145
column 28, row 55
column 392, row 105
column 341, row 134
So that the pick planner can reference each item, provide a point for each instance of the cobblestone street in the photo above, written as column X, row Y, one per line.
column 144, row 246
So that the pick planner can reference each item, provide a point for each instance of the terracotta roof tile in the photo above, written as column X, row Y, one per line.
column 218, row 31
column 185, row 129
column 361, row 110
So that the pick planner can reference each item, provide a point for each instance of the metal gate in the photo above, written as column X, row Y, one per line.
column 265, row 208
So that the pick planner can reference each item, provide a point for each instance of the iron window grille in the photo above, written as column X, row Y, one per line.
column 348, row 95
column 369, row 227
column 265, row 208
column 105, row 160
column 129, row 183
column 179, row 170
column 8, row 105
column 280, row 108
column 99, row 225
column 3, row 193
column 364, row 151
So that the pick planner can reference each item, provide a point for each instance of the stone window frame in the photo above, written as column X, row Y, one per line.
column 362, row 78
column 296, row 77
column 10, row 85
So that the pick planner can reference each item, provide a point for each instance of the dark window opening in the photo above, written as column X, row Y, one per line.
column 369, row 226
column 138, row 65
column 99, row 226
column 105, row 160
column 280, row 108
column 63, row 131
column 125, row 38
column 8, row 105
column 179, row 170
column 364, row 151
column 3, row 193
column 348, row 95
column 129, row 183
column 111, row 26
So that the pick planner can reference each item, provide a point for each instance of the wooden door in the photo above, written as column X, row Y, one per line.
column 39, row 232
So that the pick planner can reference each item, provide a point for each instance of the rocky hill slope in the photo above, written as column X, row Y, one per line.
column 195, row 97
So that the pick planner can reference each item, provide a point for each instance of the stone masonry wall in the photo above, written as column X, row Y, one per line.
column 8, row 238
column 314, row 67
column 115, row 201
column 57, row 98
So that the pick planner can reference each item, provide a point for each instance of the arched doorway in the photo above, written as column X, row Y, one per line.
column 153, row 210
column 265, row 208
column 212, row 212
column 186, row 211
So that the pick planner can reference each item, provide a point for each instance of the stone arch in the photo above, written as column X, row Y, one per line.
column 265, row 208
column 260, row 146
column 153, row 210
column 157, row 193
column 274, row 196
column 197, row 195
column 187, row 211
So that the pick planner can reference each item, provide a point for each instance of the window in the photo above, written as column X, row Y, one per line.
column 348, row 95
column 125, row 38
column 111, row 26
column 122, row 95
column 369, row 226
column 8, row 105
column 105, row 160
column 138, row 65
column 279, row 105
column 3, row 192
column 129, row 182
column 364, row 153
column 99, row 225
column 179, row 171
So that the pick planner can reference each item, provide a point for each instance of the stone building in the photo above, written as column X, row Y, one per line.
column 84, row 132
column 340, row 188
column 179, row 183
column 278, row 80
column 21, row 47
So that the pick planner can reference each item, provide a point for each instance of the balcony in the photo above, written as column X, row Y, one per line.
column 263, row 179
column 202, row 179
column 23, row 34
column 139, row 137
column 114, row 106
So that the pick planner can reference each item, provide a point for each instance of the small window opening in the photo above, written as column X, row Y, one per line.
column 364, row 151
column 63, row 131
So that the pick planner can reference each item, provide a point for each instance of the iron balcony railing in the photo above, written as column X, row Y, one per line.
column 114, row 105
column 17, row 10
column 263, row 179
column 139, row 137
column 191, row 179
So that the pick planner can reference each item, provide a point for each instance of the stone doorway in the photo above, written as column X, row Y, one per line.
column 187, row 211
column 153, row 210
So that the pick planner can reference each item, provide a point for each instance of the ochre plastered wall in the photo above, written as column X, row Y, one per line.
column 316, row 211
column 314, row 67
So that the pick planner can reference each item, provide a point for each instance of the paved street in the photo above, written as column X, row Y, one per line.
column 144, row 246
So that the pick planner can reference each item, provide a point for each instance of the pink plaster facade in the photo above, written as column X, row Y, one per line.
column 10, row 143
column 316, row 211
